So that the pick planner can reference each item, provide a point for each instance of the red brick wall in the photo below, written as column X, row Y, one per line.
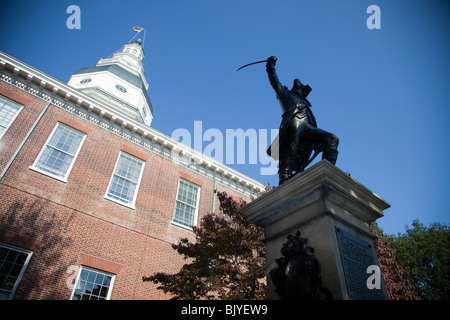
column 24, row 121
column 72, row 223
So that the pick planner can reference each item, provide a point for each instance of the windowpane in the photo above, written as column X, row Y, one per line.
column 15, row 270
column 66, row 140
column 107, row 281
column 3, row 253
column 9, row 283
column 99, row 278
column 104, row 292
column 125, row 179
column 12, row 264
column 184, row 214
column 84, row 274
column 187, row 193
column 129, row 168
column 59, row 152
column 82, row 285
column 96, row 290
column 21, row 258
column 186, row 204
column 122, row 190
column 91, row 285
column 6, row 267
column 12, row 255
column 54, row 162
column 88, row 288
column 8, row 112
column 91, row 276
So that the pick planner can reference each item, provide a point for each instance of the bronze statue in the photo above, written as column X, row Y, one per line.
column 298, row 135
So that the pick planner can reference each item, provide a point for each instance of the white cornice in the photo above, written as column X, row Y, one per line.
column 80, row 100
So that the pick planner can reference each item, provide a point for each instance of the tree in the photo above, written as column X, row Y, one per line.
column 425, row 254
column 226, row 261
column 397, row 286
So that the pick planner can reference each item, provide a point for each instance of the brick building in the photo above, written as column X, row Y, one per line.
column 91, row 196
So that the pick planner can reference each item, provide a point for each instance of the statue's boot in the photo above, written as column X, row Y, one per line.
column 330, row 152
column 285, row 171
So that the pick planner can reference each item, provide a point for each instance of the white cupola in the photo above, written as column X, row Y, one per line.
column 119, row 82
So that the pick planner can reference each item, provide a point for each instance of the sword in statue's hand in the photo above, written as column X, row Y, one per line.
column 273, row 59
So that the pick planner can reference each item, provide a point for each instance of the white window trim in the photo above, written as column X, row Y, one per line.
column 63, row 179
column 133, row 203
column 25, row 265
column 113, row 278
column 15, row 116
column 196, row 206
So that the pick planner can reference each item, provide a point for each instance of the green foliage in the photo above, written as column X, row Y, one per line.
column 226, row 261
column 424, row 252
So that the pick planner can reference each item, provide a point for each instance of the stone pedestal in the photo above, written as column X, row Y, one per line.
column 332, row 211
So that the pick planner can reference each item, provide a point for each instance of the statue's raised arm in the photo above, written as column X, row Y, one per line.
column 280, row 90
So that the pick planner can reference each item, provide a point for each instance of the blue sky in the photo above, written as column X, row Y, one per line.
column 385, row 92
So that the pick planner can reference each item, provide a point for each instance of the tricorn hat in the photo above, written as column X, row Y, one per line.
column 299, row 85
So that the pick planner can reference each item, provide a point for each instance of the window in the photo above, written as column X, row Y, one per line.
column 121, row 89
column 8, row 112
column 125, row 179
column 84, row 81
column 58, row 155
column 186, row 206
column 93, row 284
column 13, row 262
